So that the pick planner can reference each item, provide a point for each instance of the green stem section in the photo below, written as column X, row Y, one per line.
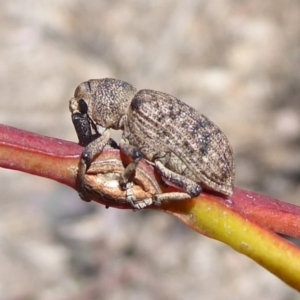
column 218, row 221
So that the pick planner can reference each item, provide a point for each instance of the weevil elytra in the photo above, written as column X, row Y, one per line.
column 185, row 146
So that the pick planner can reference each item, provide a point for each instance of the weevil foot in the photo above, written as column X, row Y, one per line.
column 130, row 198
column 142, row 204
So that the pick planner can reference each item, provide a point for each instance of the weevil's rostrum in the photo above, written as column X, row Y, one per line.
column 186, row 147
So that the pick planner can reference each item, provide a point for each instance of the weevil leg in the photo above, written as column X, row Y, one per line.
column 129, row 194
column 91, row 150
column 136, row 204
column 129, row 173
column 189, row 186
column 142, row 204
column 130, row 170
column 174, row 196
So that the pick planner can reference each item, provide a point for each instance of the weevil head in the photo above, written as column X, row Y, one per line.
column 105, row 101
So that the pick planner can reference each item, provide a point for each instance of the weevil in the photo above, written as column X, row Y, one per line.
column 187, row 149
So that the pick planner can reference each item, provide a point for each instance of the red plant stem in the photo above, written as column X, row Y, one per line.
column 278, row 216
column 58, row 159
column 39, row 155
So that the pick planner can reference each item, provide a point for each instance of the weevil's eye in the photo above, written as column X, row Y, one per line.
column 83, row 108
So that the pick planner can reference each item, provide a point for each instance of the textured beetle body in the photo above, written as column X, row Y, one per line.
column 186, row 147
column 162, row 126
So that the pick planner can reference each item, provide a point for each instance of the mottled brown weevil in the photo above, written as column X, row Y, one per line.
column 187, row 149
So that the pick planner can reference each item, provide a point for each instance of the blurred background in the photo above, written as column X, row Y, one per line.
column 237, row 62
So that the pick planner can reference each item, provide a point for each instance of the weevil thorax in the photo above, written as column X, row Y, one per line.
column 107, row 101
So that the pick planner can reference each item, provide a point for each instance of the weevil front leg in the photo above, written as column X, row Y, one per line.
column 91, row 150
column 128, row 175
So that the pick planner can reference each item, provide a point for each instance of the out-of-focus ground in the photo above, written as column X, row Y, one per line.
column 237, row 62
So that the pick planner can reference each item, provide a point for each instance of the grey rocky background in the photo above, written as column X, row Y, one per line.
column 235, row 61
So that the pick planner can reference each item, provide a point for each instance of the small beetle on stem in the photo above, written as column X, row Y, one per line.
column 186, row 147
